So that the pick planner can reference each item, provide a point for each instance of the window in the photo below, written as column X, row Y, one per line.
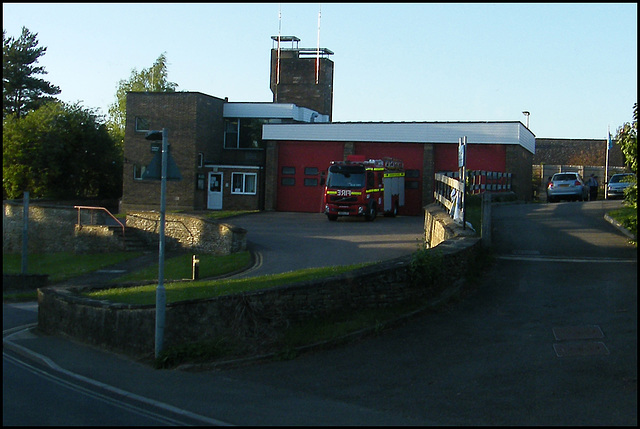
column 243, row 183
column 412, row 174
column 243, row 133
column 138, row 171
column 310, row 182
column 311, row 171
column 250, row 133
column 200, row 159
column 288, row 171
column 288, row 181
column 231, row 133
column 142, row 124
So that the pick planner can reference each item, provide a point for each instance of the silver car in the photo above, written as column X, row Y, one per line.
column 568, row 186
column 618, row 183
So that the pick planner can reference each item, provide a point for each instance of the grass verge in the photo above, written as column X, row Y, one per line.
column 628, row 217
column 63, row 265
column 182, row 291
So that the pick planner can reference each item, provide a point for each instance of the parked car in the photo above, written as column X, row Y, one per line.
column 618, row 183
column 568, row 185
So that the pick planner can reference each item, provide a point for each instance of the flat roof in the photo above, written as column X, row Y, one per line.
column 405, row 132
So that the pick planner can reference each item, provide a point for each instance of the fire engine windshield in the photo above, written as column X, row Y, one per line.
column 346, row 176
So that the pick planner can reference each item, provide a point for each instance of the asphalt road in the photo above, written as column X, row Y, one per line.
column 547, row 336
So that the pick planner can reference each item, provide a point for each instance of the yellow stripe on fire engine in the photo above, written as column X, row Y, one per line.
column 374, row 190
column 393, row 174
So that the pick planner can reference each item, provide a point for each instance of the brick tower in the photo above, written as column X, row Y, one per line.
column 302, row 76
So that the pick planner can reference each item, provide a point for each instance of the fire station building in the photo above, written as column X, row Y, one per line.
column 275, row 156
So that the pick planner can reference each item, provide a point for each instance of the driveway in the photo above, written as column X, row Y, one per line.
column 284, row 241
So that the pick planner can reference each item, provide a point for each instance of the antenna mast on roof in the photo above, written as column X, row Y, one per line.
column 318, row 49
column 278, row 62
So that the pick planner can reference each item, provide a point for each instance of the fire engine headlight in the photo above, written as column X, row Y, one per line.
column 360, row 209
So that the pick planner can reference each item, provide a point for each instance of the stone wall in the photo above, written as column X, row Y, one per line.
column 189, row 232
column 54, row 228
column 258, row 316
column 51, row 228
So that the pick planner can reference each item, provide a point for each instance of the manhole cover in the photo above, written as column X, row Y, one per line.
column 588, row 332
column 580, row 349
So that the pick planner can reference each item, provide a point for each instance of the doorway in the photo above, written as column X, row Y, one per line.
column 214, row 200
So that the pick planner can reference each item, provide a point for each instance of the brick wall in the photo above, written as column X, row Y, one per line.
column 519, row 163
column 195, row 125
column 576, row 152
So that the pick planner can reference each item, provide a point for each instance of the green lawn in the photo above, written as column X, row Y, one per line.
column 181, row 291
column 62, row 265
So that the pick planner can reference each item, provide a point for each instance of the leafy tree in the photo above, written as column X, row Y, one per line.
column 153, row 79
column 60, row 151
column 627, row 138
column 22, row 90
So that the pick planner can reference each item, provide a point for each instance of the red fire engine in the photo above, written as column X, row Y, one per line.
column 361, row 187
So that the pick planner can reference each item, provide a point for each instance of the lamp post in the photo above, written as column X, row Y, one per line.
column 161, row 298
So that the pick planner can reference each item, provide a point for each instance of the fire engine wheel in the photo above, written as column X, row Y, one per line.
column 332, row 217
column 393, row 212
column 371, row 212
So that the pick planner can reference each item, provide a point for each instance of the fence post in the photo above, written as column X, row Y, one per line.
column 485, row 214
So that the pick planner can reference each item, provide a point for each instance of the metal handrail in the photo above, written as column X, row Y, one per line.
column 97, row 208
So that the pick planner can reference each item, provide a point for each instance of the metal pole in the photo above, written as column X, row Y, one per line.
column 25, row 230
column 160, row 291
column 464, row 184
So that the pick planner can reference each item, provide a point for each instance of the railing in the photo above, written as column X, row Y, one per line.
column 92, row 218
column 448, row 189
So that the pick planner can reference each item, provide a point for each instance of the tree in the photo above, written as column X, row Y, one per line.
column 60, row 151
column 22, row 90
column 153, row 79
column 627, row 139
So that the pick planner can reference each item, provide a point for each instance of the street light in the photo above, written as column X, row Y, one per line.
column 526, row 114
column 161, row 298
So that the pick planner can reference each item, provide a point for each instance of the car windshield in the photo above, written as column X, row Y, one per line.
column 621, row 178
column 346, row 176
column 564, row 177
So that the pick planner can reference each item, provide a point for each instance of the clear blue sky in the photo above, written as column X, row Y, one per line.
column 573, row 66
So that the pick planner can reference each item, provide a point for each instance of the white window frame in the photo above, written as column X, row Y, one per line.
column 243, row 190
column 138, row 171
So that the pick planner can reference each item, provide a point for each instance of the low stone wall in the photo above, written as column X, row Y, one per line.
column 440, row 227
column 190, row 232
column 258, row 316
column 50, row 229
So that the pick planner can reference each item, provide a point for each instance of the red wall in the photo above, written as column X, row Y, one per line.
column 479, row 157
column 301, row 155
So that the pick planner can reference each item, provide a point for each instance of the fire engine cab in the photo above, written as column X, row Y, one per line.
column 361, row 187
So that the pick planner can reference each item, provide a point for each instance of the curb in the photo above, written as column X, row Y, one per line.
column 619, row 226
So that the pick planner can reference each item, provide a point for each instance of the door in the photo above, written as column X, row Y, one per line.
column 214, row 200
